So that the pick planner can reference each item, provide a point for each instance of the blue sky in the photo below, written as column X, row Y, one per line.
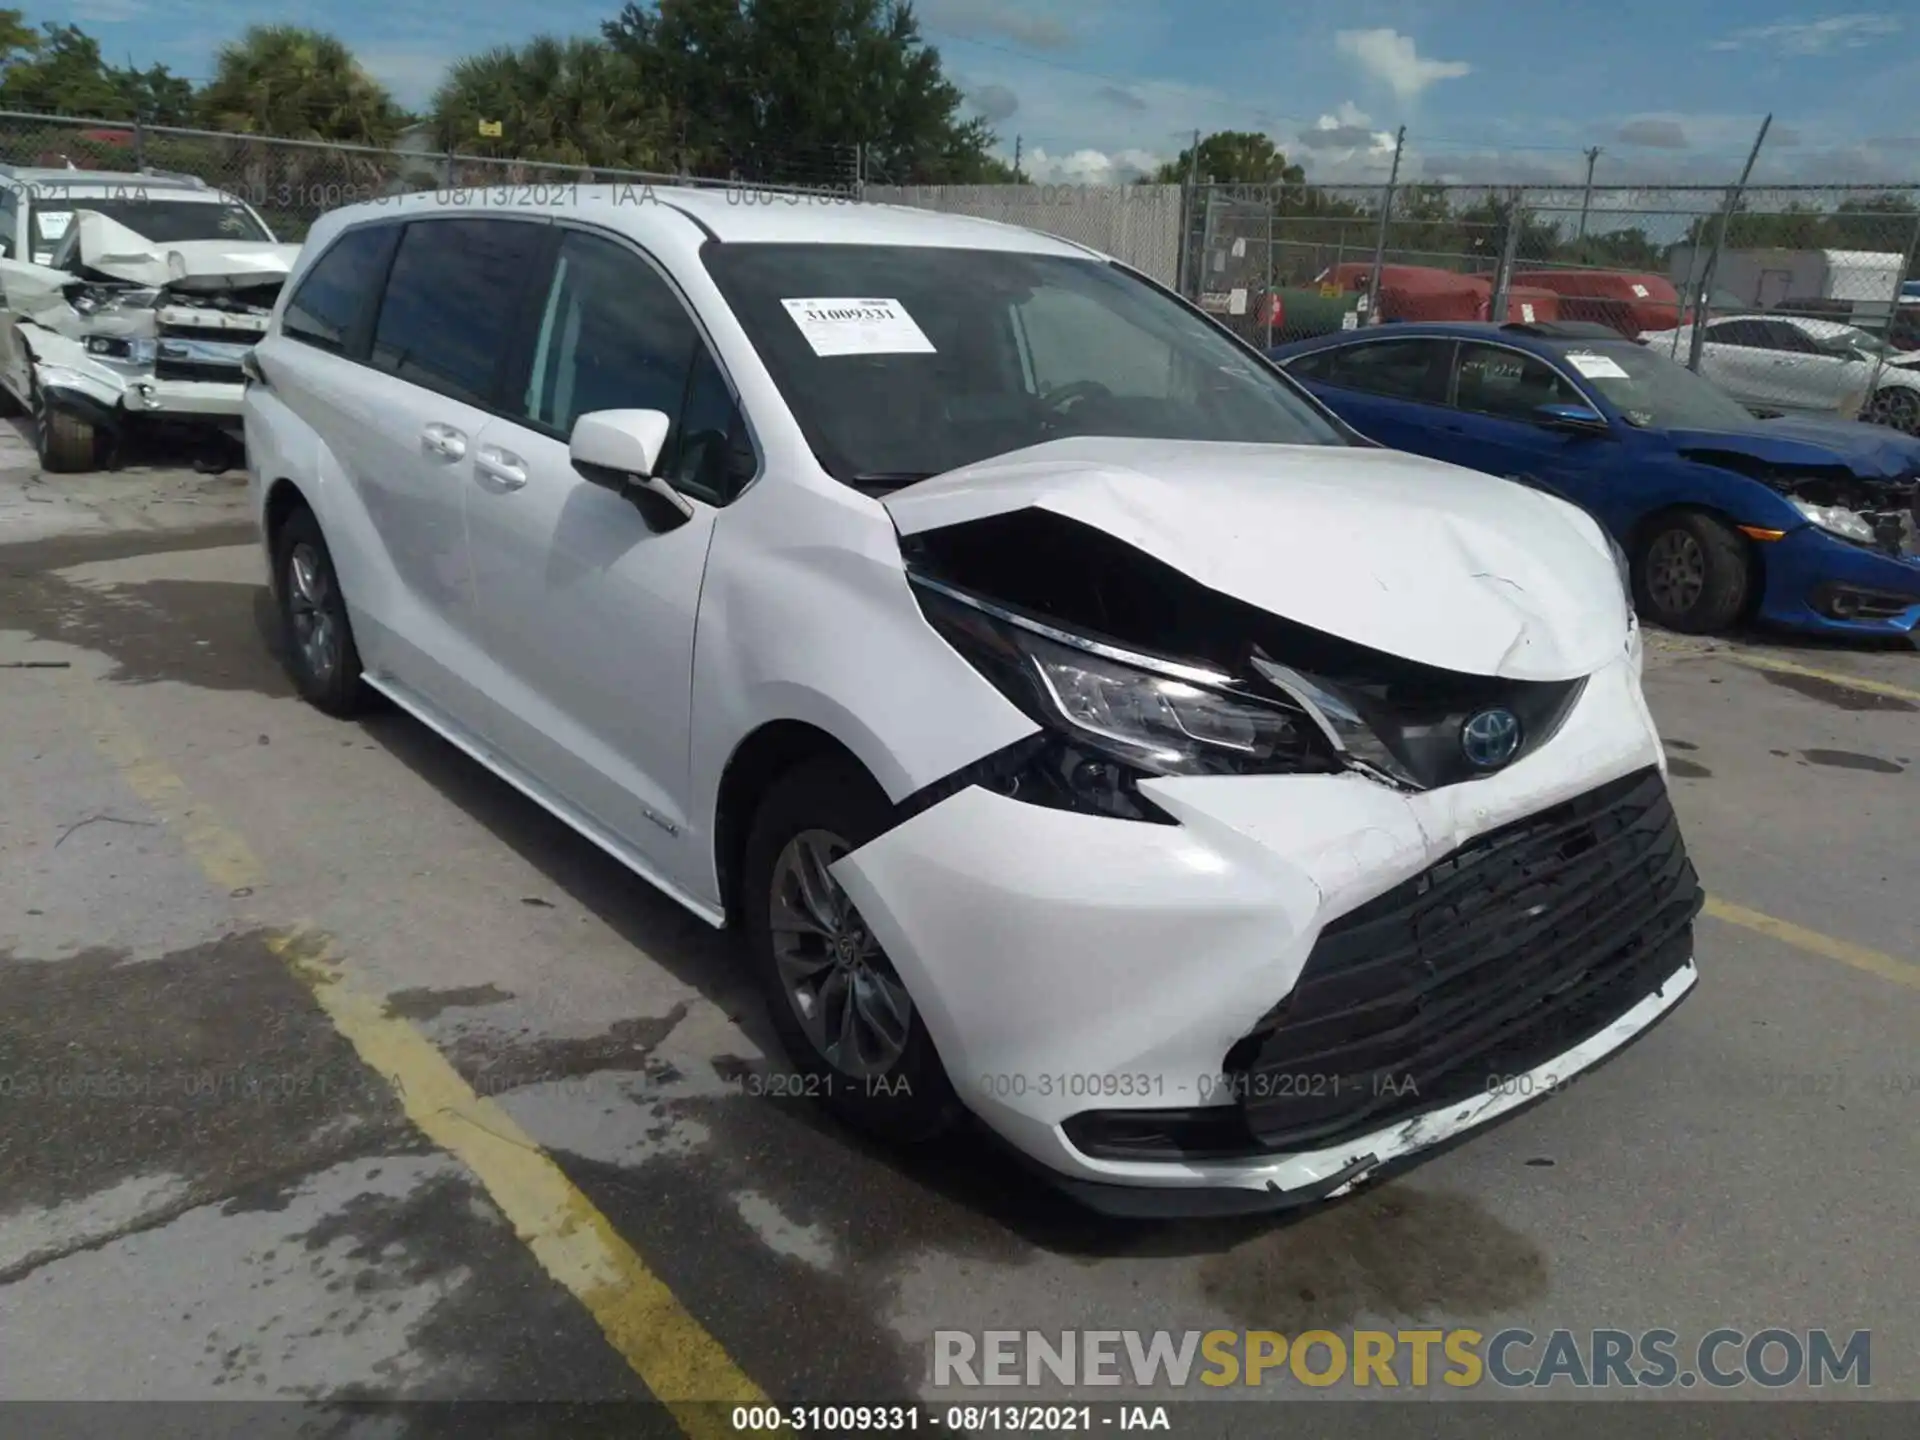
column 1489, row 90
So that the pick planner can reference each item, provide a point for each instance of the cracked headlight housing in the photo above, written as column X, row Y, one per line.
column 126, row 350
column 1111, row 717
column 1837, row 520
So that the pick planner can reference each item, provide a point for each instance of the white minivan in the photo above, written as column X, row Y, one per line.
column 1087, row 732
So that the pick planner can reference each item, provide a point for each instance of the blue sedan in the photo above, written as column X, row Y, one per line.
column 1803, row 523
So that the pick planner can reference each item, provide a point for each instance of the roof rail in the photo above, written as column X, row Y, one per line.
column 181, row 175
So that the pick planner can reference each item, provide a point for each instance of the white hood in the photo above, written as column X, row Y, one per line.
column 1424, row 560
column 111, row 248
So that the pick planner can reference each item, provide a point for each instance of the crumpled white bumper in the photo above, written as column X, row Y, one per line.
column 1065, row 962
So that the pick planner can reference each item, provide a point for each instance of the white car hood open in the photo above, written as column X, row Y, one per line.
column 1424, row 560
column 113, row 249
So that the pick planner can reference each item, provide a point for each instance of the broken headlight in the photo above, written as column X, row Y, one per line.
column 1837, row 520
column 1112, row 716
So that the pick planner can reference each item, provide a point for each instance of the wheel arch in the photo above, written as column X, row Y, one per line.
column 772, row 750
column 1642, row 529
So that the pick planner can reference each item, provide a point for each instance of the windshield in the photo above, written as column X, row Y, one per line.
column 165, row 222
column 1653, row 392
column 1854, row 338
column 953, row 356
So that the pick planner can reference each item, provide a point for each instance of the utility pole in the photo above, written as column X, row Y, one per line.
column 1016, row 161
column 1699, row 335
column 1192, row 199
column 1380, row 244
column 1586, row 198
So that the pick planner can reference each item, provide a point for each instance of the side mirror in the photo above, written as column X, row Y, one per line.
column 1581, row 419
column 620, row 449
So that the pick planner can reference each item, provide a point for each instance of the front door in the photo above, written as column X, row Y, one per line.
column 588, row 611
column 1495, row 424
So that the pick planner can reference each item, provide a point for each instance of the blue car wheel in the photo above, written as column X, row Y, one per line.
column 1690, row 574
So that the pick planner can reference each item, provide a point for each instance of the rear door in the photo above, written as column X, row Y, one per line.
column 1390, row 390
column 1734, row 355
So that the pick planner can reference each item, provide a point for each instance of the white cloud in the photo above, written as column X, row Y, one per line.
column 412, row 75
column 1854, row 31
column 1089, row 167
column 1394, row 60
column 971, row 19
column 1347, row 129
column 1653, row 132
column 994, row 102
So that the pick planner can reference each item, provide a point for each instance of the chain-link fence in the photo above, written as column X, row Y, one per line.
column 1798, row 292
column 293, row 182
column 1138, row 224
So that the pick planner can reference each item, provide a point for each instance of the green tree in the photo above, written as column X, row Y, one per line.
column 1232, row 157
column 575, row 102
column 301, row 84
column 17, row 38
column 784, row 89
column 62, row 73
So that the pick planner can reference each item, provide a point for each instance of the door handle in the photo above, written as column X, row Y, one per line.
column 444, row 441
column 504, row 468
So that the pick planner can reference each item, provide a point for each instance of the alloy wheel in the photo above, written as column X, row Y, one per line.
column 1676, row 571
column 309, row 592
column 1899, row 409
column 850, row 1003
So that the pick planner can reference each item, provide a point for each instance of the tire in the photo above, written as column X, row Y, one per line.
column 1690, row 574
column 1894, row 406
column 891, row 1085
column 316, row 638
column 65, row 443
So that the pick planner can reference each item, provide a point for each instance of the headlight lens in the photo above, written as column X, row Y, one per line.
column 1837, row 520
column 1172, row 719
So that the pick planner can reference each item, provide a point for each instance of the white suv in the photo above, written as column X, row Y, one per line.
column 1085, row 729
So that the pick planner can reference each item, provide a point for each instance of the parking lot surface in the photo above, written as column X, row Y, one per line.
column 333, row 1069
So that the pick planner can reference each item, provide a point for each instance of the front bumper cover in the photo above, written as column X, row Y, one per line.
column 1056, row 956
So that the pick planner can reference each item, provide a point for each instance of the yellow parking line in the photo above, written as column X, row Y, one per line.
column 1900, row 972
column 679, row 1362
column 1832, row 677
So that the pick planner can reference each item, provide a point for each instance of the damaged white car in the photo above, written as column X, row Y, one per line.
column 129, row 300
column 1090, row 734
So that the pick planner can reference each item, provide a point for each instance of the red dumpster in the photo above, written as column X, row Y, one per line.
column 1628, row 302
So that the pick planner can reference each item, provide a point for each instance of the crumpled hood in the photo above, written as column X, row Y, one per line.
column 1424, row 560
column 1873, row 452
column 113, row 249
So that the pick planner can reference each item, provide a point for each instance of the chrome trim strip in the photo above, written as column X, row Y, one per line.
column 1173, row 669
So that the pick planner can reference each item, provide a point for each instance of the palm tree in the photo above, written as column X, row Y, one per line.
column 299, row 84
column 570, row 102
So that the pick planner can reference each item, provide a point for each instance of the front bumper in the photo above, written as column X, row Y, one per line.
column 1067, row 964
column 108, row 395
column 1807, row 570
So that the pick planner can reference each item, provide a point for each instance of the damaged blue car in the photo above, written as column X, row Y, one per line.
column 1721, row 516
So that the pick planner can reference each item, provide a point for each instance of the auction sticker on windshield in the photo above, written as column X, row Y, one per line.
column 1596, row 367
column 858, row 327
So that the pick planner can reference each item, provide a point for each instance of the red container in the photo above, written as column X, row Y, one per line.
column 1416, row 292
column 1628, row 302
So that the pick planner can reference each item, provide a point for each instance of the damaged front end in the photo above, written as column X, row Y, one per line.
column 1132, row 670
column 128, row 330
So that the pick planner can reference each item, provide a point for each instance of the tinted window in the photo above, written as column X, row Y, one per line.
column 614, row 336
column 333, row 296
column 162, row 221
column 450, row 302
column 1497, row 381
column 1739, row 332
column 901, row 361
column 1398, row 369
column 1778, row 335
column 8, row 219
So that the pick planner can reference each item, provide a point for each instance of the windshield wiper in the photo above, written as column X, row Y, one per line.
column 881, row 482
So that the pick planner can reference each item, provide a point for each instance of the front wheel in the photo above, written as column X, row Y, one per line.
column 1690, row 574
column 64, row 443
column 834, row 997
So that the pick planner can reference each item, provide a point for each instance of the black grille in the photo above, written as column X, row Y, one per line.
column 225, row 372
column 219, row 334
column 1513, row 949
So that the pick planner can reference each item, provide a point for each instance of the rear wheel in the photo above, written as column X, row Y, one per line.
column 846, row 1019
column 1690, row 574
column 316, row 639
column 1894, row 406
